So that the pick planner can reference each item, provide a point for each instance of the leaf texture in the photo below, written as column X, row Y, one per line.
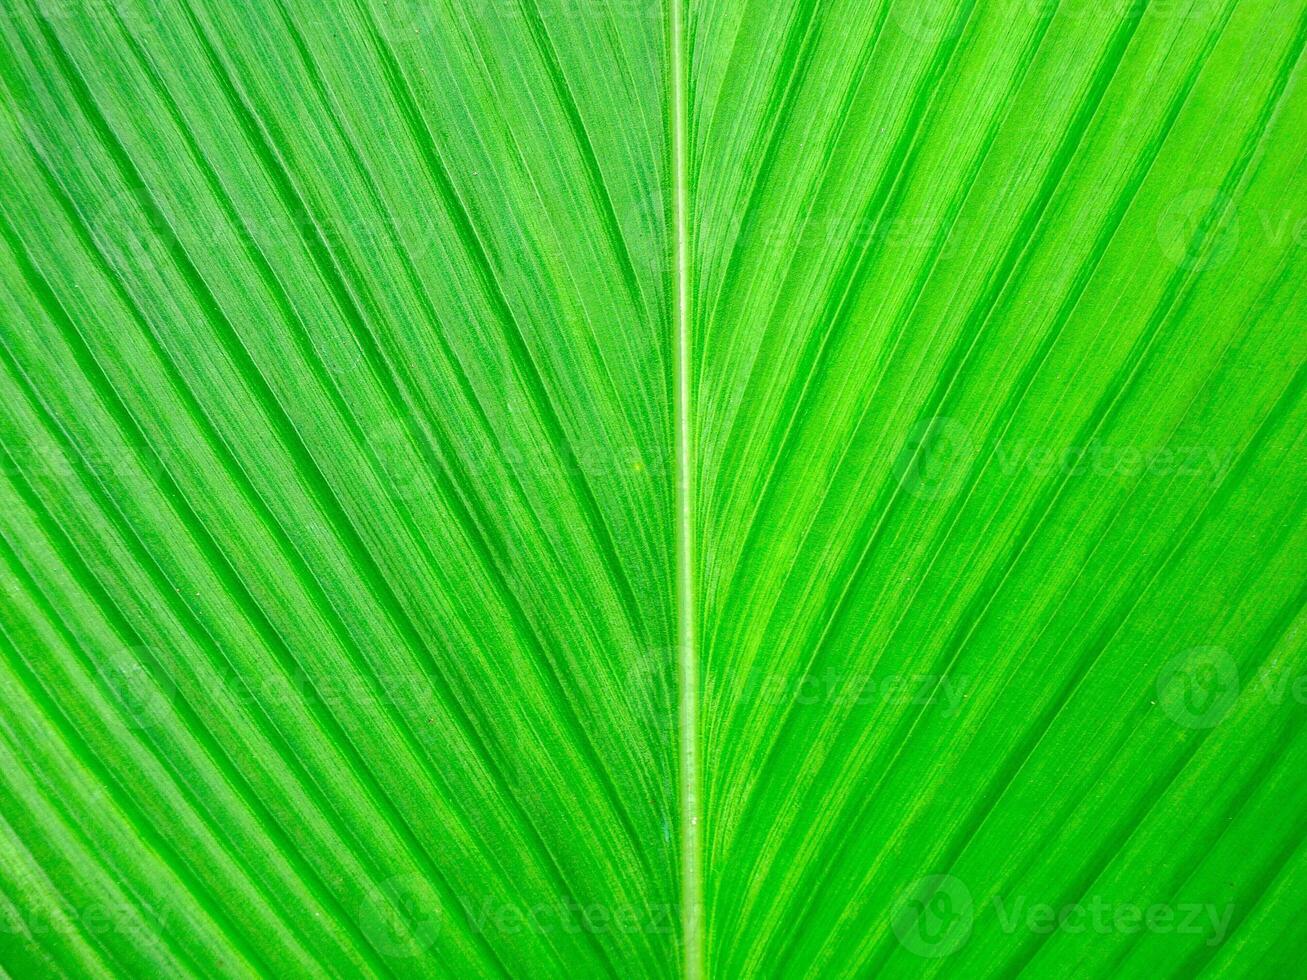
column 652, row 487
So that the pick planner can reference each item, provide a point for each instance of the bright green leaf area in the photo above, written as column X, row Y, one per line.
column 653, row 488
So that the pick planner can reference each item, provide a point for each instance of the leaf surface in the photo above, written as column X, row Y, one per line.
column 699, row 487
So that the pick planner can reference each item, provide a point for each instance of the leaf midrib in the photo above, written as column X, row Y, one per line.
column 687, row 653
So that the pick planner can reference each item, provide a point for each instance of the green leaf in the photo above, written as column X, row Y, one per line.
column 652, row 488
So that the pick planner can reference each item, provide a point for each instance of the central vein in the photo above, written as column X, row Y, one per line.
column 687, row 652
